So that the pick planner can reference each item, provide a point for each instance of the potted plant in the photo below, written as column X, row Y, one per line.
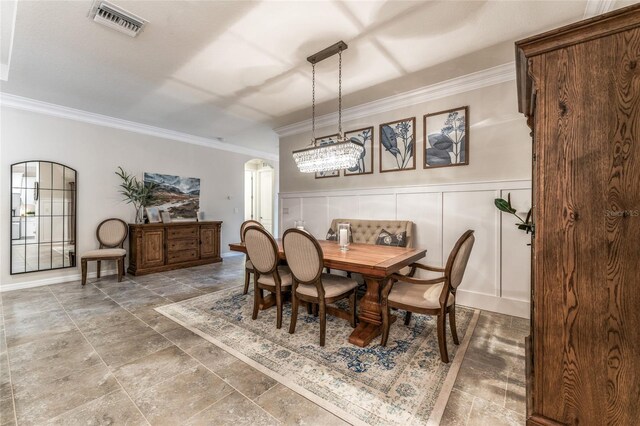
column 138, row 193
column 505, row 206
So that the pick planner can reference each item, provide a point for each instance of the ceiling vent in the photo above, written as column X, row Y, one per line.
column 116, row 18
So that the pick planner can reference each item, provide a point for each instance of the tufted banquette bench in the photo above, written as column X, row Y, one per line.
column 366, row 231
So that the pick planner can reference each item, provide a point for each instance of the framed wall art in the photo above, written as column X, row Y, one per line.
column 446, row 138
column 180, row 196
column 326, row 140
column 398, row 145
column 365, row 164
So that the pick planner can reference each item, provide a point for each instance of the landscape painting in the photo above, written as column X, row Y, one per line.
column 179, row 196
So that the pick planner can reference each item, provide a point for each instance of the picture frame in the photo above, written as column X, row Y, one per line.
column 365, row 165
column 165, row 216
column 446, row 138
column 325, row 140
column 153, row 214
column 398, row 145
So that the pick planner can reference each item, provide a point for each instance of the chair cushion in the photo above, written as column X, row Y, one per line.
column 248, row 265
column 420, row 296
column 112, row 252
column 286, row 279
column 334, row 285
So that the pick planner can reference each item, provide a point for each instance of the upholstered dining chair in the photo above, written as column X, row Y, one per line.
column 304, row 256
column 248, row 266
column 111, row 234
column 435, row 296
column 262, row 249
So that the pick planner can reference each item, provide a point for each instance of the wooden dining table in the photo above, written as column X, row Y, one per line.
column 376, row 263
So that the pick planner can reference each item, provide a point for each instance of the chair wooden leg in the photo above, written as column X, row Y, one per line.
column 120, row 265
column 385, row 324
column 442, row 337
column 98, row 275
column 294, row 313
column 407, row 318
column 315, row 309
column 352, row 303
column 279, row 309
column 452, row 324
column 257, row 293
column 247, row 278
column 84, row 272
column 323, row 322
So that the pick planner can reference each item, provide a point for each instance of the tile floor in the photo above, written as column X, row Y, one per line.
column 101, row 355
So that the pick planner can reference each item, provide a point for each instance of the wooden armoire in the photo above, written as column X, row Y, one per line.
column 579, row 86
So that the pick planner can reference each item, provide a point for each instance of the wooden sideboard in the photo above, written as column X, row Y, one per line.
column 157, row 247
column 579, row 86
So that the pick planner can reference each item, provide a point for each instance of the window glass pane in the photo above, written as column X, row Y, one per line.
column 45, row 230
column 45, row 256
column 69, row 178
column 17, row 258
column 45, row 175
column 58, row 176
column 57, row 256
column 43, row 206
column 57, row 208
column 32, row 255
column 57, row 229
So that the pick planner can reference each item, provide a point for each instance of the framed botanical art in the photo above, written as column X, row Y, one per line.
column 446, row 138
column 365, row 163
column 398, row 145
column 326, row 140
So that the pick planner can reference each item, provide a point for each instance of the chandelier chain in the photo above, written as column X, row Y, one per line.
column 340, row 94
column 313, row 103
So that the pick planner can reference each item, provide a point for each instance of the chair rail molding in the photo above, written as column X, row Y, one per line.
column 476, row 80
column 498, row 277
column 33, row 105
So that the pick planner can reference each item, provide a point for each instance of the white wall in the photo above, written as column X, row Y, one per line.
column 95, row 152
column 442, row 202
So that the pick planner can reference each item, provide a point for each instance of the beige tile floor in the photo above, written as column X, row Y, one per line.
column 101, row 355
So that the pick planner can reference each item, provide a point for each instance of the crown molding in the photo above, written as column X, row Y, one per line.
column 32, row 105
column 597, row 7
column 488, row 77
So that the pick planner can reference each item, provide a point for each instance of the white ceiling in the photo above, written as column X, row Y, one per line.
column 236, row 69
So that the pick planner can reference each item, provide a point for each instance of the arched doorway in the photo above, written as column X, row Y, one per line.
column 259, row 192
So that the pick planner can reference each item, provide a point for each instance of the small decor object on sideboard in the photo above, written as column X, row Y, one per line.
column 446, row 138
column 180, row 196
column 153, row 214
column 362, row 137
column 140, row 194
column 327, row 140
column 398, row 145
column 165, row 216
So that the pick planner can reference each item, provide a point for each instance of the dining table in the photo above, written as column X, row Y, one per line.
column 376, row 263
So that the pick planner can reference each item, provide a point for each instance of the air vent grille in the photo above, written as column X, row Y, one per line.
column 116, row 18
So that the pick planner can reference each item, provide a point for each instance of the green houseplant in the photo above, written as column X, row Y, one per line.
column 135, row 192
column 505, row 206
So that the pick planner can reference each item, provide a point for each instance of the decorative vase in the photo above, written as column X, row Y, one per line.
column 344, row 231
column 139, row 215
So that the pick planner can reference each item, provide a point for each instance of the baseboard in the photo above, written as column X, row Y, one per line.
column 497, row 304
column 231, row 254
column 54, row 280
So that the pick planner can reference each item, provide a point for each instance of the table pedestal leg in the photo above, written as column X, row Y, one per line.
column 370, row 314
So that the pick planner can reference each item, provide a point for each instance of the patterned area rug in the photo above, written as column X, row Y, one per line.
column 404, row 383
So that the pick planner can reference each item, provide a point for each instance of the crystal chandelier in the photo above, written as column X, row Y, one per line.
column 341, row 154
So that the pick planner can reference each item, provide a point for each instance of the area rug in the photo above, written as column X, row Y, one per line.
column 404, row 383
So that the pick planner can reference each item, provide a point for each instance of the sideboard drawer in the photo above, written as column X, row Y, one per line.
column 182, row 256
column 183, row 232
column 177, row 245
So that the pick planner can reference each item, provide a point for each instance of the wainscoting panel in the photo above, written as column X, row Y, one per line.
column 475, row 210
column 498, row 274
column 425, row 210
column 516, row 254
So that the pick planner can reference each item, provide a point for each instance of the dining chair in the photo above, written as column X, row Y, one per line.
column 435, row 296
column 262, row 249
column 305, row 259
column 248, row 266
column 111, row 234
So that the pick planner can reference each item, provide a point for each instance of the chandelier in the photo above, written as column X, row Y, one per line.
column 341, row 154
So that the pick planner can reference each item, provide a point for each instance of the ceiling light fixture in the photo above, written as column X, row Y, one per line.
column 341, row 154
